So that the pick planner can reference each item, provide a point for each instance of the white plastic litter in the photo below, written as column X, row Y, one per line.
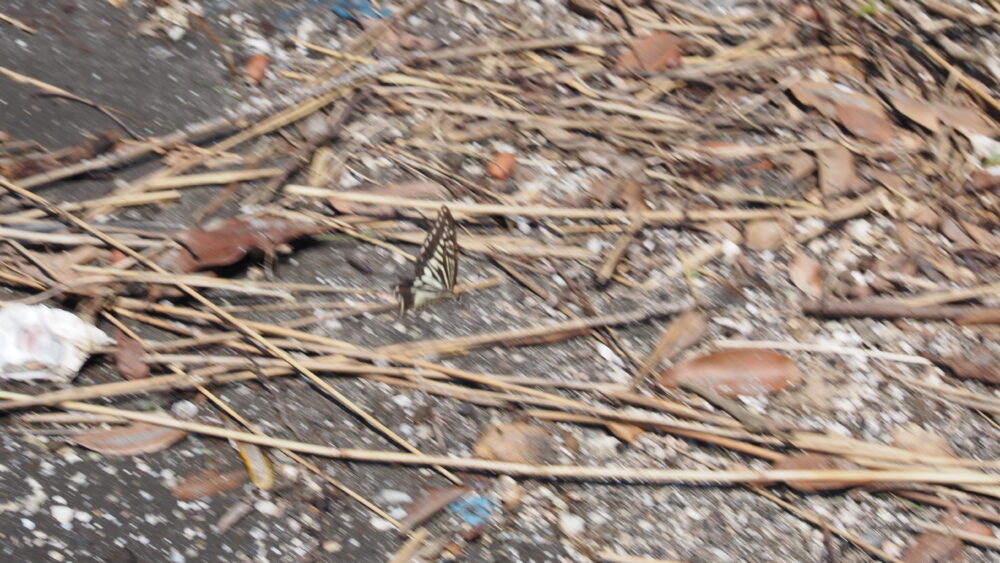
column 42, row 343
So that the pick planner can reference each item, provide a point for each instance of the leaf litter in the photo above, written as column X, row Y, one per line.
column 856, row 171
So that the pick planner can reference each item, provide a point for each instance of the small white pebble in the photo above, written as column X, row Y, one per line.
column 571, row 524
column 267, row 508
column 332, row 546
column 62, row 514
column 381, row 524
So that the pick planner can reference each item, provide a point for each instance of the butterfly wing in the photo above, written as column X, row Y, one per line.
column 437, row 266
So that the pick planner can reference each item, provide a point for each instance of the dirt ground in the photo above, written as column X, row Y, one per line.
column 61, row 502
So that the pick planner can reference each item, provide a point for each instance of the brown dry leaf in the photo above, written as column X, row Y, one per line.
column 130, row 357
column 627, row 433
column 764, row 234
column 256, row 68
column 983, row 237
column 932, row 547
column 814, row 461
column 920, row 112
column 518, row 442
column 653, row 53
column 207, row 483
column 914, row 438
column 964, row 119
column 134, row 439
column 983, row 181
column 682, row 333
column 259, row 468
column 735, row 372
column 632, row 195
column 837, row 173
column 231, row 240
column 859, row 113
column 502, row 165
column 807, row 274
column 414, row 190
column 800, row 165
column 430, row 504
column 964, row 368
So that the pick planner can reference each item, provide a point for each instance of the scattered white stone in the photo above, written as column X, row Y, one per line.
column 332, row 546
column 62, row 513
column 571, row 524
column 56, row 556
column 381, row 524
column 28, row 524
column 268, row 508
column 82, row 516
column 185, row 410
column 402, row 401
column 392, row 496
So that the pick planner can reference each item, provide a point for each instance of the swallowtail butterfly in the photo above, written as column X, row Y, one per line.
column 437, row 267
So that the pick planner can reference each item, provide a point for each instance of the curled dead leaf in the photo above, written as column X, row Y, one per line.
column 837, row 173
column 965, row 368
column 207, row 483
column 935, row 547
column 807, row 275
column 814, row 461
column 517, row 442
column 133, row 439
column 764, row 234
column 226, row 242
column 502, row 165
column 256, row 68
column 859, row 113
column 130, row 357
column 430, row 504
column 735, row 372
column 920, row 112
column 653, row 53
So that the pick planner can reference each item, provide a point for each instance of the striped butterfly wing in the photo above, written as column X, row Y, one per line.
column 436, row 269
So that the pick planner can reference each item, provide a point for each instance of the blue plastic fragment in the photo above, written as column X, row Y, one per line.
column 475, row 510
column 351, row 9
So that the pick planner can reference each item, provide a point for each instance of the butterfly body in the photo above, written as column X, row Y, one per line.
column 436, row 268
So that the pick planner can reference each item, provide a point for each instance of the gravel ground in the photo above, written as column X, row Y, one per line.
column 64, row 503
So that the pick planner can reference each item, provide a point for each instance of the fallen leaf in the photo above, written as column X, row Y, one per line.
column 130, row 357
column 920, row 112
column 764, row 234
column 914, row 438
column 837, row 173
column 653, row 53
column 430, row 504
column 820, row 462
column 627, row 433
column 859, row 113
column 682, row 333
column 208, row 483
column 256, row 68
column 983, row 181
column 735, row 372
column 934, row 547
column 502, row 165
column 414, row 190
column 800, row 165
column 632, row 195
column 516, row 442
column 259, row 468
column 965, row 368
column 807, row 275
column 231, row 240
column 966, row 120
column 134, row 439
